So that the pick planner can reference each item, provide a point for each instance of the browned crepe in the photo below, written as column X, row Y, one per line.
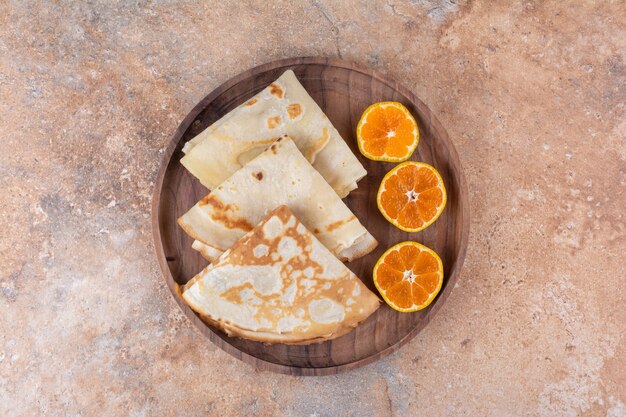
column 280, row 175
column 279, row 284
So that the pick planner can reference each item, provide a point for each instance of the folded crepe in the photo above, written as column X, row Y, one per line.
column 284, row 107
column 279, row 175
column 279, row 284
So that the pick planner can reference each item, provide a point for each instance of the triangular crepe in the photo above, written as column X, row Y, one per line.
column 279, row 284
column 280, row 175
column 284, row 107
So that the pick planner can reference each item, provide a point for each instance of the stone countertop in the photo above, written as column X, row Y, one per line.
column 532, row 94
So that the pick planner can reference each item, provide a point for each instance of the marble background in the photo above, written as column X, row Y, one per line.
column 532, row 94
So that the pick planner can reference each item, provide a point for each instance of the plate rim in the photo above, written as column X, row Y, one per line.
column 261, row 364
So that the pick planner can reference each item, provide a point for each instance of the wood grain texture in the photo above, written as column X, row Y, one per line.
column 343, row 90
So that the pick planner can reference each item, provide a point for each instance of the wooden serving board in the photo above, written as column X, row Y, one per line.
column 343, row 91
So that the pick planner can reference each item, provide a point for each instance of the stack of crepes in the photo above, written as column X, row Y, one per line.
column 274, row 225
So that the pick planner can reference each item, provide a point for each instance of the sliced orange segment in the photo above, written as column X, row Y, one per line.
column 387, row 132
column 412, row 196
column 408, row 276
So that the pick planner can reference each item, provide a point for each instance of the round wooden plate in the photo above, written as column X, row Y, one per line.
column 343, row 90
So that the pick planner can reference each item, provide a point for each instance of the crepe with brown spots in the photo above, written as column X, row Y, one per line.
column 283, row 107
column 279, row 284
column 279, row 175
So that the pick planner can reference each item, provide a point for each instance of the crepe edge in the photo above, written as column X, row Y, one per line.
column 232, row 330
column 208, row 252
column 363, row 245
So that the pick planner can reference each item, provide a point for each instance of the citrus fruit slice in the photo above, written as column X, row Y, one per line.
column 412, row 196
column 408, row 276
column 387, row 132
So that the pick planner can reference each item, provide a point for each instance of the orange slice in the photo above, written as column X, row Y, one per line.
column 412, row 196
column 408, row 276
column 387, row 132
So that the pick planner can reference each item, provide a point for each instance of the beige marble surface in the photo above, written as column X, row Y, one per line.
column 532, row 94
